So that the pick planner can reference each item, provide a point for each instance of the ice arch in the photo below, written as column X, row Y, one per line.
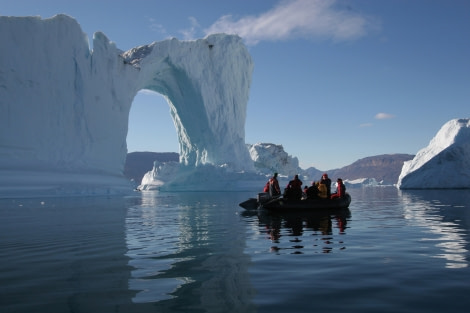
column 64, row 109
column 206, row 83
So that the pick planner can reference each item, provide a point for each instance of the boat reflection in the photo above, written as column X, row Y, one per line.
column 305, row 232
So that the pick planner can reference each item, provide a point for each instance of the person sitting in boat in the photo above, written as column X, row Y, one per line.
column 294, row 189
column 340, row 189
column 312, row 191
column 327, row 182
column 272, row 186
column 274, row 189
column 322, row 190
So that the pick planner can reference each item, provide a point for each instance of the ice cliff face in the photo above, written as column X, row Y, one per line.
column 61, row 107
column 444, row 163
column 64, row 108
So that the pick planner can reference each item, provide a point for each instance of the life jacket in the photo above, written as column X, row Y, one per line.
column 341, row 190
column 274, row 186
column 322, row 191
column 266, row 187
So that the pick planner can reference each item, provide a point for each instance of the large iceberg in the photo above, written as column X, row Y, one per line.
column 444, row 163
column 64, row 109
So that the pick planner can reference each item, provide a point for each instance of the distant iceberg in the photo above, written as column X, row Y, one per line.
column 444, row 163
column 363, row 182
column 269, row 158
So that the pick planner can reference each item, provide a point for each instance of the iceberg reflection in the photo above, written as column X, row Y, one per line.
column 183, row 255
column 444, row 215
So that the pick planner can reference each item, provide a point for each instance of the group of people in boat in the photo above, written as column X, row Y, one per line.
column 318, row 190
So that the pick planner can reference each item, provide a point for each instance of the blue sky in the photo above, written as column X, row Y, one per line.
column 333, row 82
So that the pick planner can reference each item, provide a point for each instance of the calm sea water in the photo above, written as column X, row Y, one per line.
column 392, row 251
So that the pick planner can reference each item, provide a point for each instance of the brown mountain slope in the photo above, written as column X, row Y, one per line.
column 385, row 168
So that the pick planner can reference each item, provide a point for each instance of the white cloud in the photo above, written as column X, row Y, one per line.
column 296, row 18
column 383, row 116
column 191, row 33
column 154, row 26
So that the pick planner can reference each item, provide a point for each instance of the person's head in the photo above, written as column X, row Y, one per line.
column 339, row 180
column 275, row 174
column 296, row 176
column 325, row 176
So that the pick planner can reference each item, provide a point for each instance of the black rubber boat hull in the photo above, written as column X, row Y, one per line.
column 282, row 204
column 250, row 204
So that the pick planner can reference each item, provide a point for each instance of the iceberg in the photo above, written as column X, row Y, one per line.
column 444, row 163
column 267, row 159
column 64, row 109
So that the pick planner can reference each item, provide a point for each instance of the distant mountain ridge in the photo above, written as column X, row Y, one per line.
column 383, row 168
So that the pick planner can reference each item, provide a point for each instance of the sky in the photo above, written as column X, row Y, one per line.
column 334, row 81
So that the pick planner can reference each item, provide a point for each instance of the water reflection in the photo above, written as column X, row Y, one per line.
column 64, row 255
column 185, row 256
column 301, row 232
column 445, row 214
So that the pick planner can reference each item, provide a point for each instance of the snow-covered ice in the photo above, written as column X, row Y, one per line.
column 444, row 163
column 269, row 158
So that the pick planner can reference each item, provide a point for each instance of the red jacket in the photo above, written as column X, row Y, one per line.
column 340, row 191
column 273, row 181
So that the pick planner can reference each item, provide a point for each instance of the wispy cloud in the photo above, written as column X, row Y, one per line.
column 294, row 19
column 191, row 32
column 378, row 116
column 156, row 27
column 383, row 116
